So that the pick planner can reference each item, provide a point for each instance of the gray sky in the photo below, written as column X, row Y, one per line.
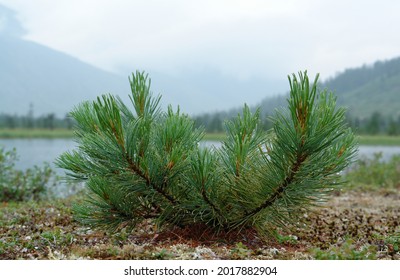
column 242, row 39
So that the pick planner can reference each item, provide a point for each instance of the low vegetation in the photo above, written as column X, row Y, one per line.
column 7, row 133
column 382, row 140
column 16, row 185
column 374, row 173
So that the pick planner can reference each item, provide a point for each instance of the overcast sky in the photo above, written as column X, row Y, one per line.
column 243, row 39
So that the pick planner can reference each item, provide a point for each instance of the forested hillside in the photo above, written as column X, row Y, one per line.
column 371, row 93
column 364, row 91
column 369, row 89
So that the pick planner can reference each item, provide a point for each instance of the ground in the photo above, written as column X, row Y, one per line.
column 351, row 225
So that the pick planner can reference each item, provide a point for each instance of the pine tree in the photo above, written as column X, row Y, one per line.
column 146, row 163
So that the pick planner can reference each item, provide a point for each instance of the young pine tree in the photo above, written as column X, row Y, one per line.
column 141, row 162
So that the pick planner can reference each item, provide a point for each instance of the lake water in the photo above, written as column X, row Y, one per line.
column 36, row 151
column 33, row 152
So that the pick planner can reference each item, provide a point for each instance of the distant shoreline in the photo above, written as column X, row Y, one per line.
column 367, row 140
column 379, row 140
column 18, row 133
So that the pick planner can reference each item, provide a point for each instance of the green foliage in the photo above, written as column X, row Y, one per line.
column 393, row 243
column 16, row 185
column 382, row 140
column 56, row 237
column 240, row 251
column 347, row 251
column 36, row 133
column 147, row 163
column 163, row 254
column 286, row 239
column 375, row 173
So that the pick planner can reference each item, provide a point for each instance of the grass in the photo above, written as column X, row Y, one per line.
column 384, row 140
column 216, row 136
column 35, row 133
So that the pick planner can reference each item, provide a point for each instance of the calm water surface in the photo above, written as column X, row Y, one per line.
column 33, row 152
column 36, row 151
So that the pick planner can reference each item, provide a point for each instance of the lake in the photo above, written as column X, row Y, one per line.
column 36, row 151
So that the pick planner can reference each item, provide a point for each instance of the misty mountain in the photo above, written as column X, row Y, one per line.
column 209, row 91
column 363, row 90
column 55, row 82
column 50, row 80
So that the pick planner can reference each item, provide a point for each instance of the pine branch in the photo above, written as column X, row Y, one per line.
column 136, row 170
column 203, row 169
column 209, row 202
column 281, row 189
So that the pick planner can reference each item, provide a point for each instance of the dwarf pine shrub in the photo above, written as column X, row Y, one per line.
column 140, row 162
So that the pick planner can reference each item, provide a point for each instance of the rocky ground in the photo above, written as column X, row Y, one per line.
column 351, row 225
